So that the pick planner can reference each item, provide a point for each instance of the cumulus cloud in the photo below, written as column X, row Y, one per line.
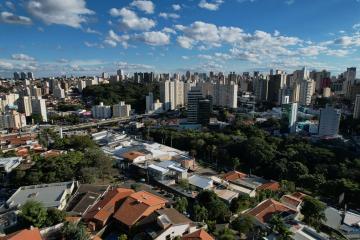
column 144, row 5
column 7, row 17
column 130, row 20
column 132, row 66
column 113, row 39
column 154, row 38
column 212, row 6
column 169, row 30
column 185, row 42
column 10, row 5
column 347, row 41
column 22, row 57
column 169, row 15
column 176, row 7
column 71, row 13
column 92, row 31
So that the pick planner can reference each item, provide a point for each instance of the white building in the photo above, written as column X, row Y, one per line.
column 329, row 121
column 12, row 120
column 306, row 91
column 121, row 110
column 10, row 163
column 224, row 94
column 59, row 92
column 81, row 85
column 24, row 105
column 38, row 106
column 101, row 111
column 356, row 114
column 172, row 94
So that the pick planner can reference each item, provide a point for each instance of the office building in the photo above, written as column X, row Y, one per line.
column 350, row 77
column 204, row 111
column 329, row 121
column 261, row 89
column 38, row 106
column 101, row 111
column 356, row 114
column 23, row 75
column 121, row 110
column 194, row 95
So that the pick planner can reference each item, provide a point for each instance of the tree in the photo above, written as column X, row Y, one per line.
column 313, row 211
column 226, row 234
column 200, row 213
column 33, row 213
column 181, row 204
column 244, row 224
column 240, row 203
column 277, row 225
column 236, row 163
column 54, row 216
column 73, row 231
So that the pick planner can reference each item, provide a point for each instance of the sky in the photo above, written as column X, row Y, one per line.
column 87, row 37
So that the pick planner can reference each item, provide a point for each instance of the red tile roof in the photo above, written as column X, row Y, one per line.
column 264, row 210
column 234, row 175
column 138, row 205
column 273, row 186
column 198, row 235
column 103, row 209
column 299, row 195
column 132, row 155
column 291, row 201
column 26, row 234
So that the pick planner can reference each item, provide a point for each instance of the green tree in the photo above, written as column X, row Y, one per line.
column 240, row 203
column 73, row 231
column 244, row 224
column 181, row 204
column 200, row 213
column 33, row 213
column 313, row 211
column 54, row 216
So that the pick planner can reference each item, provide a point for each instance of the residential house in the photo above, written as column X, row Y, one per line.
column 198, row 235
column 137, row 206
column 348, row 223
column 200, row 182
column 25, row 234
column 267, row 208
column 100, row 213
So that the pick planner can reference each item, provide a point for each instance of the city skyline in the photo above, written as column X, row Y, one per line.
column 47, row 38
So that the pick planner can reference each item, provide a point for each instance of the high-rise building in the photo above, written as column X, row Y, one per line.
column 59, row 92
column 149, row 102
column 172, row 94
column 350, row 77
column 326, row 92
column 290, row 114
column 225, row 95
column 306, row 91
column 35, row 91
column 322, row 79
column 25, row 105
column 12, row 120
column 261, row 89
column 23, row 75
column 356, row 114
column 121, row 110
column 30, row 75
column 16, row 76
column 38, row 106
column 194, row 95
column 204, row 111
column 276, row 83
column 81, row 85
column 329, row 121
column 101, row 111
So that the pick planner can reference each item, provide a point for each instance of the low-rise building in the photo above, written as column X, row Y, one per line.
column 9, row 164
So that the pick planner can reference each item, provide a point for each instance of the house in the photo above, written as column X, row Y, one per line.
column 137, row 206
column 100, row 213
column 267, row 208
column 248, row 184
column 25, row 234
column 134, row 156
column 348, row 223
column 293, row 201
column 85, row 197
column 200, row 234
column 167, row 169
column 202, row 183
column 164, row 224
column 10, row 163
column 226, row 194
column 53, row 195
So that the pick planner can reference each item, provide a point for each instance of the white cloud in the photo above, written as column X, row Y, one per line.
column 212, row 6
column 130, row 20
column 169, row 15
column 7, row 17
column 64, row 12
column 154, row 38
column 185, row 57
column 185, row 42
column 92, row 31
column 356, row 26
column 6, row 65
column 176, row 7
column 10, row 5
column 131, row 66
column 144, row 5
column 113, row 39
column 347, row 41
column 312, row 50
column 91, row 45
column 22, row 57
column 169, row 30
column 289, row 2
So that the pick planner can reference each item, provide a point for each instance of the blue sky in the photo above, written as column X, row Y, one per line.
column 52, row 37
